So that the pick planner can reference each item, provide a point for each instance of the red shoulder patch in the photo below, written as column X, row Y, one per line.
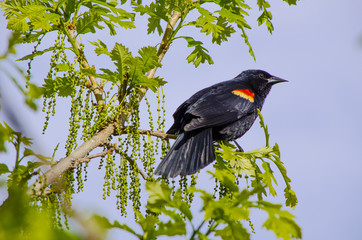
column 245, row 93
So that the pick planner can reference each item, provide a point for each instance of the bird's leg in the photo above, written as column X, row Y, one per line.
column 240, row 148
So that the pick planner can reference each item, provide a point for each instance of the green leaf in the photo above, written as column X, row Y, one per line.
column 158, row 195
column 63, row 86
column 242, row 165
column 234, row 17
column 154, row 24
column 226, row 178
column 246, row 41
column 4, row 168
column 283, row 227
column 107, row 13
column 208, row 23
column 234, row 230
column 22, row 16
column 225, row 33
column 291, row 197
column 34, row 92
column 37, row 53
column 31, row 166
column 101, row 48
column 172, row 228
column 265, row 128
column 148, row 225
column 136, row 69
column 151, row 83
column 289, row 194
column 66, row 87
column 5, row 132
column 121, row 57
column 29, row 152
column 88, row 22
column 160, row 198
column 268, row 178
column 70, row 7
column 149, row 58
column 90, row 72
column 199, row 55
column 105, row 223
column 109, row 75
column 239, row 162
column 156, row 11
column 45, row 21
column 291, row 2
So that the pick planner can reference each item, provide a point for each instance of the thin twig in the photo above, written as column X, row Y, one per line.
column 159, row 134
column 87, row 159
column 237, row 144
column 197, row 230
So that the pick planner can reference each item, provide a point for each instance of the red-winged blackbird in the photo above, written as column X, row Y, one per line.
column 224, row 111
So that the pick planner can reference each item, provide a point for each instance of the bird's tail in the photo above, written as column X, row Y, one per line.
column 191, row 152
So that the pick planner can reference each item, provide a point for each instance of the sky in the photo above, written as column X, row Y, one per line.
column 315, row 117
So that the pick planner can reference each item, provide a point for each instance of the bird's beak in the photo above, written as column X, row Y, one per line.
column 273, row 80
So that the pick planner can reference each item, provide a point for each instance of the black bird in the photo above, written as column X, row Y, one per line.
column 224, row 111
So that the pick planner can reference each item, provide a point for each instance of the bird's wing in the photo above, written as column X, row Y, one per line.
column 181, row 110
column 219, row 107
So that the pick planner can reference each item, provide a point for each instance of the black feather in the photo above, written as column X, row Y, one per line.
column 189, row 153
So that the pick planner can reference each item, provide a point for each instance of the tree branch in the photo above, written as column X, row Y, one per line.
column 68, row 162
column 159, row 134
column 102, row 136
column 88, row 158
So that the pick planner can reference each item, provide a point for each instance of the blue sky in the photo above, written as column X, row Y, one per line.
column 315, row 118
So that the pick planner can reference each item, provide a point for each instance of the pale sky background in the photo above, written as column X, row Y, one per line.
column 315, row 118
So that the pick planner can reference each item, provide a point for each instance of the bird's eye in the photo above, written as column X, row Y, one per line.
column 261, row 75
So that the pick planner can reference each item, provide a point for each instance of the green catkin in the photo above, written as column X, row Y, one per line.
column 251, row 225
column 216, row 188
column 150, row 118
column 85, row 170
column 173, row 182
column 150, row 147
column 109, row 176
column 69, row 187
column 86, row 121
column 183, row 187
column 79, row 179
column 247, row 181
column 28, row 71
column 135, row 180
column 190, row 195
column 74, row 124
column 123, row 186
column 57, row 211
column 135, row 189
column 115, row 174
column 49, row 104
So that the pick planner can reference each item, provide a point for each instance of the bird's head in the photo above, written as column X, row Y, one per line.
column 259, row 81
